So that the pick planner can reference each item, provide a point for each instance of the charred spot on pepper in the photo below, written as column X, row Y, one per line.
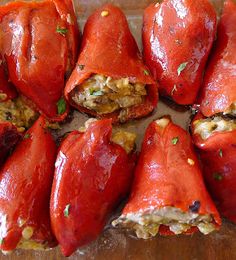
column 81, row 66
column 195, row 206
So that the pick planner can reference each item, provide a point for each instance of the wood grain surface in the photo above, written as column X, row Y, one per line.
column 115, row 244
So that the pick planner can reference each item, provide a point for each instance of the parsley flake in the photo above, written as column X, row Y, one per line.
column 221, row 153
column 61, row 106
column 81, row 67
column 175, row 140
column 27, row 136
column 217, row 176
column 66, row 210
column 62, row 31
column 146, row 72
column 1, row 241
column 181, row 67
column 96, row 93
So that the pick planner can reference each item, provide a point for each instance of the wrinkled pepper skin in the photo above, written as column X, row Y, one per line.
column 219, row 91
column 7, row 91
column 108, row 48
column 174, row 33
column 25, row 186
column 92, row 175
column 9, row 136
column 38, row 52
column 218, row 153
column 163, row 176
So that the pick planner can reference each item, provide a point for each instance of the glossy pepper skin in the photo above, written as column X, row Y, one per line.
column 40, row 55
column 218, row 91
column 177, row 39
column 108, row 48
column 164, row 177
column 9, row 136
column 25, row 185
column 7, row 91
column 218, row 153
column 92, row 175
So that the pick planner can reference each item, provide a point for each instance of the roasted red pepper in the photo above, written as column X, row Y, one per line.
column 39, row 44
column 218, row 93
column 7, row 91
column 109, row 49
column 218, row 153
column 168, row 194
column 9, row 136
column 92, row 175
column 25, row 186
column 177, row 39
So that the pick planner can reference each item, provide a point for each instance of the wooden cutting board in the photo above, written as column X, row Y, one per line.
column 114, row 244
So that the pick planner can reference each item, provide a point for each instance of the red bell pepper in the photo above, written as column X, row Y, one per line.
column 108, row 48
column 92, row 175
column 9, row 136
column 218, row 153
column 177, row 39
column 40, row 56
column 25, row 186
column 168, row 195
column 218, row 93
column 7, row 91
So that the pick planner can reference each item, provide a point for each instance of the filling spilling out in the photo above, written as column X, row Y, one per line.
column 146, row 225
column 123, row 138
column 18, row 113
column 231, row 110
column 206, row 127
column 105, row 95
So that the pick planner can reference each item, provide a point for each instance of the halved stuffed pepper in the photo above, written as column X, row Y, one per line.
column 94, row 170
column 216, row 139
column 168, row 195
column 218, row 94
column 25, row 186
column 110, row 79
column 177, row 39
column 39, row 43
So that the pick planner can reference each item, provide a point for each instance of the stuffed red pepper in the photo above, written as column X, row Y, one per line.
column 9, row 136
column 168, row 195
column 177, row 39
column 25, row 185
column 218, row 94
column 93, row 173
column 39, row 44
column 110, row 79
column 216, row 140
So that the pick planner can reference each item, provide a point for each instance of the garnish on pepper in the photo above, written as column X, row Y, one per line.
column 177, row 39
column 112, row 69
column 218, row 94
column 93, row 173
column 39, row 57
column 25, row 186
column 216, row 141
column 168, row 194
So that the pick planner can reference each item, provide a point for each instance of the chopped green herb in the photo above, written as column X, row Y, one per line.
column 91, row 91
column 173, row 90
column 221, row 153
column 61, row 106
column 217, row 176
column 1, row 241
column 175, row 140
column 61, row 31
column 81, row 67
column 181, row 67
column 66, row 210
column 27, row 136
column 97, row 93
column 146, row 72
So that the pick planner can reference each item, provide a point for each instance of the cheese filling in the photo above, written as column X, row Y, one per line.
column 18, row 113
column 125, row 139
column 206, row 127
column 105, row 95
column 146, row 225
column 231, row 110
